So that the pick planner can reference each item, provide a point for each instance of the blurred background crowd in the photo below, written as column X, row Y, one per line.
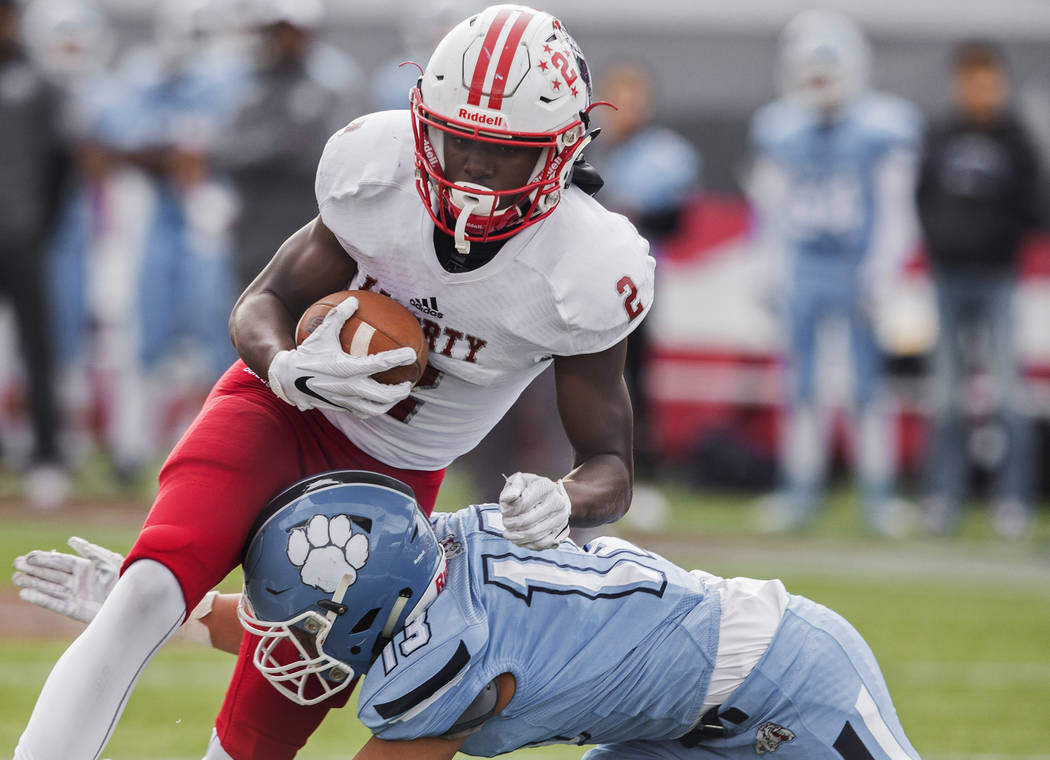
column 847, row 208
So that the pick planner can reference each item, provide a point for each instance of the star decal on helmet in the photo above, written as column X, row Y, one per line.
column 326, row 550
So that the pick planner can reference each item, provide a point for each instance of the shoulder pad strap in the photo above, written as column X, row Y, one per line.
column 481, row 709
column 586, row 177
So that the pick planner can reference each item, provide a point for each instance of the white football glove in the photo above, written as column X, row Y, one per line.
column 535, row 511
column 318, row 374
column 77, row 586
column 67, row 584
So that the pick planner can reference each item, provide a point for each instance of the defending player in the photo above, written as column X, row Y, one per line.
column 474, row 644
column 832, row 191
column 510, row 266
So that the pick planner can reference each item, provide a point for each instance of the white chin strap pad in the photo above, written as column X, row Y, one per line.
column 469, row 203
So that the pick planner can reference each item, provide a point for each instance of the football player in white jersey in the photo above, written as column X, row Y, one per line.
column 473, row 644
column 510, row 265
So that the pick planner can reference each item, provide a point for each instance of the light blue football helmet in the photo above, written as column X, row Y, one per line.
column 336, row 565
column 824, row 59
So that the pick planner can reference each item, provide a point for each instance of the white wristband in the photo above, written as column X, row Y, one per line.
column 273, row 377
column 193, row 630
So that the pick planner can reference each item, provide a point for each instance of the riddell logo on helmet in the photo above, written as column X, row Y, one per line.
column 489, row 119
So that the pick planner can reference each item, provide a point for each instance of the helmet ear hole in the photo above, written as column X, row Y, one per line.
column 366, row 621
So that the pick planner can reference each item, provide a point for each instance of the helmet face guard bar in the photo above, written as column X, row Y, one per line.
column 301, row 669
column 312, row 668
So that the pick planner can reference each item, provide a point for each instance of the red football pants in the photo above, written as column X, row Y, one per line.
column 244, row 447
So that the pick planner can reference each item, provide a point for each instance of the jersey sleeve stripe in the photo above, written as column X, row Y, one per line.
column 428, row 688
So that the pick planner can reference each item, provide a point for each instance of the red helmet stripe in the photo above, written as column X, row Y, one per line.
column 481, row 68
column 499, row 81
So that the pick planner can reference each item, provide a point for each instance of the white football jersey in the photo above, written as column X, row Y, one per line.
column 575, row 283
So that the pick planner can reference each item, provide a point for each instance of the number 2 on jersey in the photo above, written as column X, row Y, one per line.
column 631, row 304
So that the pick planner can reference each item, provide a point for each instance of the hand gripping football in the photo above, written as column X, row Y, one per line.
column 379, row 324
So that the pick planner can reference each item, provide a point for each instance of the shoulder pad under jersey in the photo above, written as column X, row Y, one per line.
column 427, row 677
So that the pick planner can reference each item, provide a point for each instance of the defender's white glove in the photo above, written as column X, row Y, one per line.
column 535, row 511
column 318, row 374
column 77, row 586
column 69, row 585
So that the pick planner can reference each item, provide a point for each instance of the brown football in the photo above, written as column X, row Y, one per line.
column 379, row 324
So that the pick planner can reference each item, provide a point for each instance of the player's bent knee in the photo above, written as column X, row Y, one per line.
column 165, row 539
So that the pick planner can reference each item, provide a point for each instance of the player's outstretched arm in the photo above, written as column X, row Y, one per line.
column 428, row 748
column 433, row 747
column 76, row 585
column 224, row 627
column 595, row 410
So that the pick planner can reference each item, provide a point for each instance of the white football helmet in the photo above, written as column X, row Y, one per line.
column 824, row 59
column 509, row 75
column 68, row 38
column 183, row 28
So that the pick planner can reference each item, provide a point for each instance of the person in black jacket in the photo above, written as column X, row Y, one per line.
column 34, row 161
column 977, row 199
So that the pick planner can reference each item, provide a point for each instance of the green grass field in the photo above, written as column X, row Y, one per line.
column 961, row 627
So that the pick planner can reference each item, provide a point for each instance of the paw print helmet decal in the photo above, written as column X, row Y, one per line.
column 336, row 565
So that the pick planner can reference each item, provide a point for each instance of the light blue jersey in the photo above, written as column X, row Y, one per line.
column 615, row 646
column 185, row 281
column 636, row 619
column 830, row 215
column 166, row 104
column 834, row 204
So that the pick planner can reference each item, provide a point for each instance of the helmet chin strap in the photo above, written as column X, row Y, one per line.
column 468, row 203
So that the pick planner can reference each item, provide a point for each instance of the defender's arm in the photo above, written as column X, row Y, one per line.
column 432, row 747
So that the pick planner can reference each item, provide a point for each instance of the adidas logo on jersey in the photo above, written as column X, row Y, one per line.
column 427, row 306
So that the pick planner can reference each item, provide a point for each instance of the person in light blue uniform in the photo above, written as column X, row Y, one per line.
column 470, row 643
column 72, row 40
column 179, row 95
column 831, row 190
column 468, row 637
